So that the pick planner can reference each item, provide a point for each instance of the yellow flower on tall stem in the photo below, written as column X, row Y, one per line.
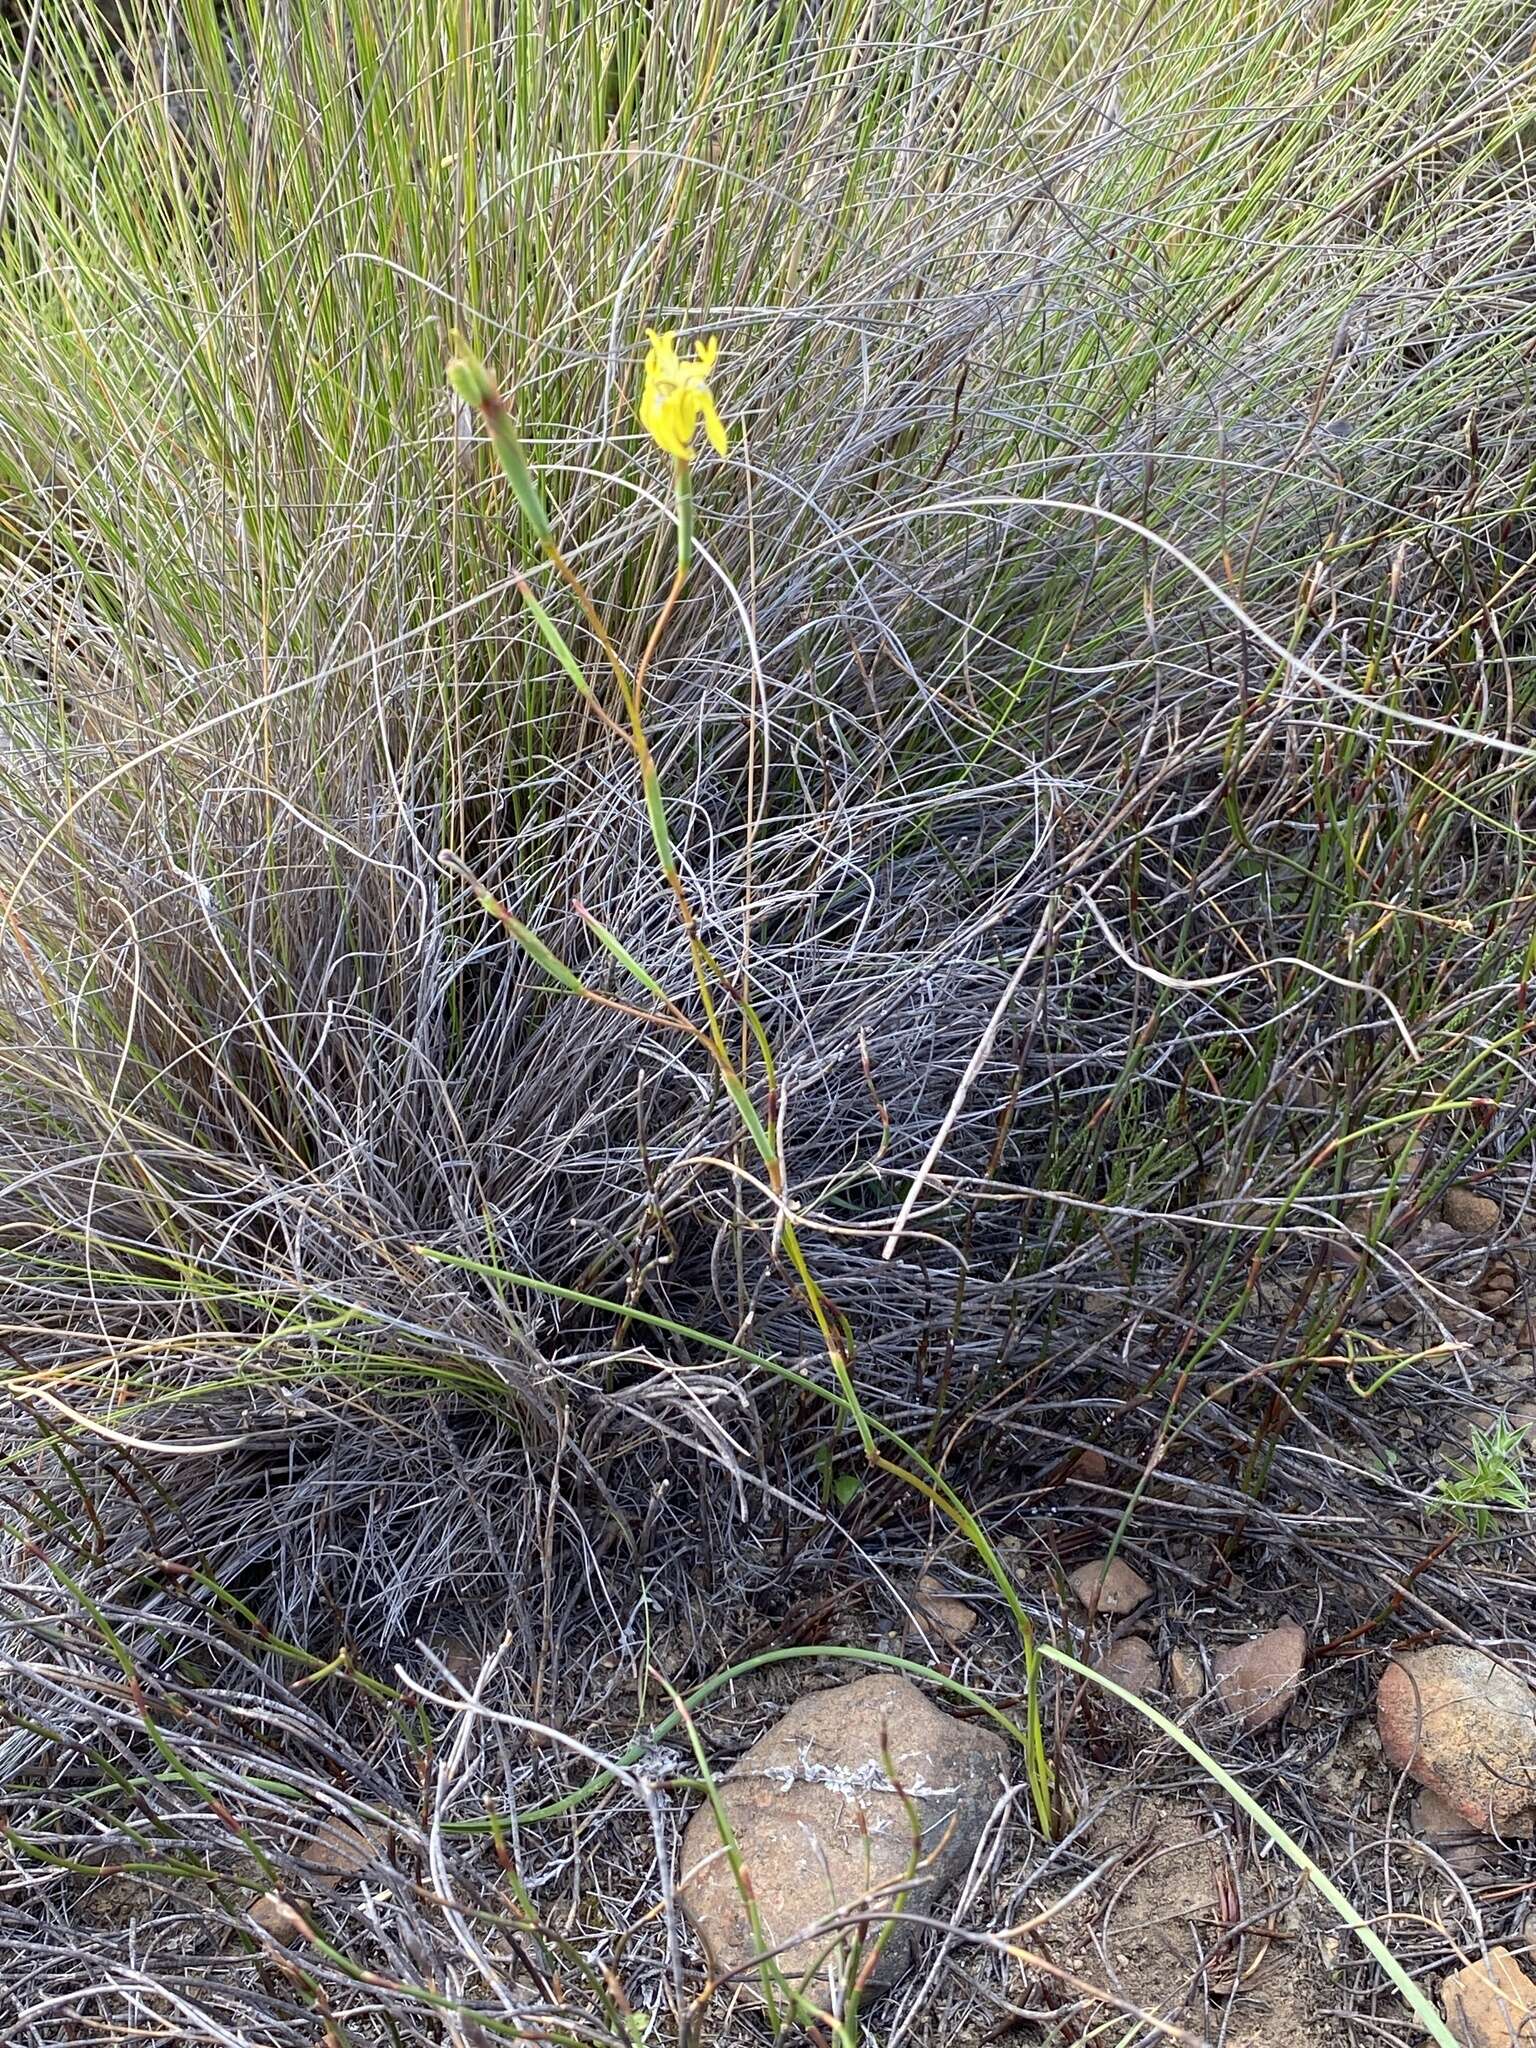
column 677, row 396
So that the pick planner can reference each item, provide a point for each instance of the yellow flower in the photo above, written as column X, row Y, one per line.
column 677, row 396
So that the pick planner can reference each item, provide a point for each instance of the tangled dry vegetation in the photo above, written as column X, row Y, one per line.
column 1097, row 738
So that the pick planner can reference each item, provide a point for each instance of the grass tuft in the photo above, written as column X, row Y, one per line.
column 1094, row 738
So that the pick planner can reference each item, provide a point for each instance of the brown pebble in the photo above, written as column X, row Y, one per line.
column 1131, row 1662
column 1442, row 1827
column 831, row 1809
column 940, row 1613
column 1471, row 1214
column 1109, row 1586
column 275, row 1917
column 1256, row 1681
column 1086, row 1468
column 1188, row 1675
column 1491, row 2003
column 1464, row 1726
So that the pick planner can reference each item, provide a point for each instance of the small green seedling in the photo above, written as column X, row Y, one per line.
column 1490, row 1481
column 842, row 1487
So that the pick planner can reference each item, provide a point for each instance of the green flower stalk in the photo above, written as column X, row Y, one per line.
column 473, row 383
column 682, row 483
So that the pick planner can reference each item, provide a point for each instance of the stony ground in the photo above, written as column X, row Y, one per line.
column 1359, row 1663
column 1259, row 1549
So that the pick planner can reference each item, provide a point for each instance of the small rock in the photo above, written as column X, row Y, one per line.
column 1473, row 1215
column 1256, row 1681
column 1465, row 1727
column 1188, row 1675
column 1498, row 1287
column 1131, row 1662
column 461, row 1655
column 1086, row 1469
column 274, row 1916
column 1461, row 1320
column 1104, row 1305
column 1403, row 1139
column 820, row 1828
column 339, row 1849
column 336, row 1851
column 1109, row 1586
column 1443, row 1828
column 940, row 1613
column 1491, row 2003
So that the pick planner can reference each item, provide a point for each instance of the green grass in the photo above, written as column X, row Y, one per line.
column 1248, row 289
column 1094, row 743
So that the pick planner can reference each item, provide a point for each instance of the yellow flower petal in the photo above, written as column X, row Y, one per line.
column 661, row 360
column 657, row 416
column 714, row 426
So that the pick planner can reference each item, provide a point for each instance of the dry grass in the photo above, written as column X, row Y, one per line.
column 1096, row 744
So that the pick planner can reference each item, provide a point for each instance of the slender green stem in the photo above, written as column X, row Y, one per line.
column 682, row 484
